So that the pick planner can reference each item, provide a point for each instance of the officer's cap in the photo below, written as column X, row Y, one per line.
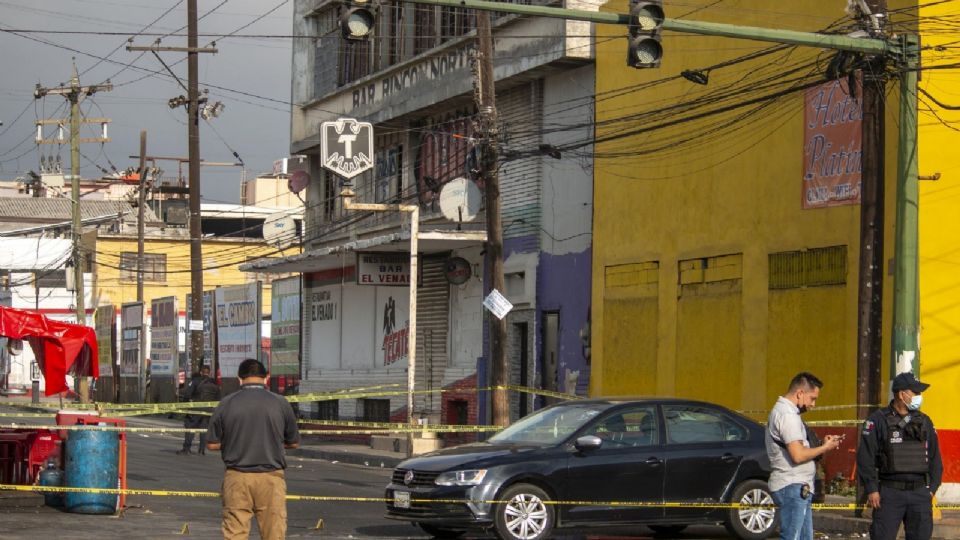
column 906, row 381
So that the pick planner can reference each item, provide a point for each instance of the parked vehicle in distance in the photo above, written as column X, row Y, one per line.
column 585, row 455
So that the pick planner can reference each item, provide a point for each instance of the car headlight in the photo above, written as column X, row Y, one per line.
column 461, row 478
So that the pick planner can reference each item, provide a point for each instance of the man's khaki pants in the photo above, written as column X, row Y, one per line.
column 246, row 494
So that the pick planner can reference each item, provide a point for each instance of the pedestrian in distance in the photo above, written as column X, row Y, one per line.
column 201, row 388
column 899, row 464
column 251, row 428
column 792, row 456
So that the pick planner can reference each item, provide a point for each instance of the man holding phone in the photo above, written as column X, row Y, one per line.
column 792, row 457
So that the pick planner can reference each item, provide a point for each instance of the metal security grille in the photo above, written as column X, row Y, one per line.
column 816, row 267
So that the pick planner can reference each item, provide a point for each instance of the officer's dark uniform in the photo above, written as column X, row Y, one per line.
column 899, row 457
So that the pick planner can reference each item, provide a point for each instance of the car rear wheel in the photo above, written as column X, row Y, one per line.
column 440, row 532
column 752, row 523
column 667, row 529
column 524, row 514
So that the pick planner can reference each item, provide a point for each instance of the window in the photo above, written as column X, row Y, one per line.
column 635, row 426
column 328, row 410
column 375, row 410
column 154, row 267
column 692, row 424
column 815, row 267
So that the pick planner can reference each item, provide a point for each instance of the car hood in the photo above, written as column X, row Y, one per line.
column 466, row 455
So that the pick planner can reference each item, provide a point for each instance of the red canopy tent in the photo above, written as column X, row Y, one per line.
column 60, row 348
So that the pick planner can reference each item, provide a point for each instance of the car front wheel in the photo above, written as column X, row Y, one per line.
column 524, row 513
column 752, row 523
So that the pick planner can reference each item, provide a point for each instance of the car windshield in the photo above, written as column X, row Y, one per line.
column 550, row 426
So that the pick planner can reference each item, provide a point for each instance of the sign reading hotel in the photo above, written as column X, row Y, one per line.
column 832, row 144
column 386, row 269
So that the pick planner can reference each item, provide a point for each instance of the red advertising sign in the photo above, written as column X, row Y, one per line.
column 832, row 144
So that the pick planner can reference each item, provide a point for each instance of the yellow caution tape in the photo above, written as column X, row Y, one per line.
column 26, row 415
column 174, row 429
column 332, row 498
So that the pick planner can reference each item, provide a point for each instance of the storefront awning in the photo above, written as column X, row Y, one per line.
column 320, row 259
column 60, row 348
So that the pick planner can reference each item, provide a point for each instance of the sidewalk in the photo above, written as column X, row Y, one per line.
column 842, row 521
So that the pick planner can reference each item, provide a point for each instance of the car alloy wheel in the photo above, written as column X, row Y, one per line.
column 752, row 523
column 524, row 514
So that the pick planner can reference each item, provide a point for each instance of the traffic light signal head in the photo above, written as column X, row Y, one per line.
column 643, row 40
column 357, row 20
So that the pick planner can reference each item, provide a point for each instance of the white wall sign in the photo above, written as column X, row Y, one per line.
column 346, row 146
column 497, row 304
column 390, row 269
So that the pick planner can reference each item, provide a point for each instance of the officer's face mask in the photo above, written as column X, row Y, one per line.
column 915, row 402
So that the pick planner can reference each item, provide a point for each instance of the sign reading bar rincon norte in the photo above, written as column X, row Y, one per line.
column 832, row 144
column 346, row 146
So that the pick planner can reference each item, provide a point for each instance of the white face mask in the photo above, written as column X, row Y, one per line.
column 915, row 403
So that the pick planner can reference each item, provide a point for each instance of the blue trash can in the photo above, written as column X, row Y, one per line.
column 92, row 461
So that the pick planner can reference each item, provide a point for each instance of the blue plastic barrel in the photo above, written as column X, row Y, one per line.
column 92, row 461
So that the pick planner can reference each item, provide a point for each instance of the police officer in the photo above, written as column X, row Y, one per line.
column 899, row 464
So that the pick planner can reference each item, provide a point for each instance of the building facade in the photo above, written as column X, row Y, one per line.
column 414, row 83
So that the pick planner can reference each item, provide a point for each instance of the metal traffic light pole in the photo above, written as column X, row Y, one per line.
column 905, row 49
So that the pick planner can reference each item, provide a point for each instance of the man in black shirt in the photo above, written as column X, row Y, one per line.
column 251, row 427
column 201, row 388
column 899, row 464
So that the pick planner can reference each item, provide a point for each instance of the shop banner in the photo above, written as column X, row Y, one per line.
column 131, row 323
column 392, row 324
column 285, row 327
column 105, row 324
column 238, row 326
column 163, row 336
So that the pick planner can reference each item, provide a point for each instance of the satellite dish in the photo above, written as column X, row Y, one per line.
column 279, row 229
column 298, row 181
column 460, row 200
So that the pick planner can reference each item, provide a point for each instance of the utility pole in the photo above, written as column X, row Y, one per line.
column 870, row 287
column 906, row 275
column 73, row 93
column 193, row 153
column 141, row 200
column 489, row 139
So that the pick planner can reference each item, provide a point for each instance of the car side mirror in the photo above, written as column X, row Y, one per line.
column 588, row 442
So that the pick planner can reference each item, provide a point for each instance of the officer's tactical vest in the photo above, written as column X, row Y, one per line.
column 905, row 446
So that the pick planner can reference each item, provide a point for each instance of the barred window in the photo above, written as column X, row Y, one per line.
column 815, row 267
column 154, row 267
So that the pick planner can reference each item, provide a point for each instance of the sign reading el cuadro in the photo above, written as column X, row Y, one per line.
column 346, row 146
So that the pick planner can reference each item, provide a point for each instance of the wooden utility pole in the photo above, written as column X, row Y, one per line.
column 489, row 139
column 141, row 201
column 73, row 93
column 193, row 153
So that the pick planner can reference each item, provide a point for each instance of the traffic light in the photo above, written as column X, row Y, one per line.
column 357, row 20
column 643, row 41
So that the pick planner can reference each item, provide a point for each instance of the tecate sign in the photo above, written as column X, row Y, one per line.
column 346, row 146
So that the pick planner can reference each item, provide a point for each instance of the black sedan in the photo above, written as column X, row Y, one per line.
column 569, row 464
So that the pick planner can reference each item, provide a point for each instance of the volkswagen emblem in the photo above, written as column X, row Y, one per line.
column 408, row 478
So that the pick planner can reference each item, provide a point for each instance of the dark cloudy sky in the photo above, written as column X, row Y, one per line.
column 250, row 75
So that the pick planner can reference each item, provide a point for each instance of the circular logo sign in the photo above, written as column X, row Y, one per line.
column 457, row 270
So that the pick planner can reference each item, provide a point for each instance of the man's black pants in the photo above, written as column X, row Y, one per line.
column 195, row 421
column 913, row 508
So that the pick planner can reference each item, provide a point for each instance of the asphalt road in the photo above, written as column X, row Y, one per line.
column 154, row 465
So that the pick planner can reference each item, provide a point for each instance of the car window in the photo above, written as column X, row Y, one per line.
column 551, row 425
column 633, row 426
column 693, row 424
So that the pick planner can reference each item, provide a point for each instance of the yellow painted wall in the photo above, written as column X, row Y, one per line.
column 220, row 261
column 940, row 221
column 722, row 185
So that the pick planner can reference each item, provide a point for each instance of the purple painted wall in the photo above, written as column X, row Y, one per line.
column 563, row 286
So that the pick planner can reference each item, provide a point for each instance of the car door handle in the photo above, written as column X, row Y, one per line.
column 653, row 461
column 729, row 458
